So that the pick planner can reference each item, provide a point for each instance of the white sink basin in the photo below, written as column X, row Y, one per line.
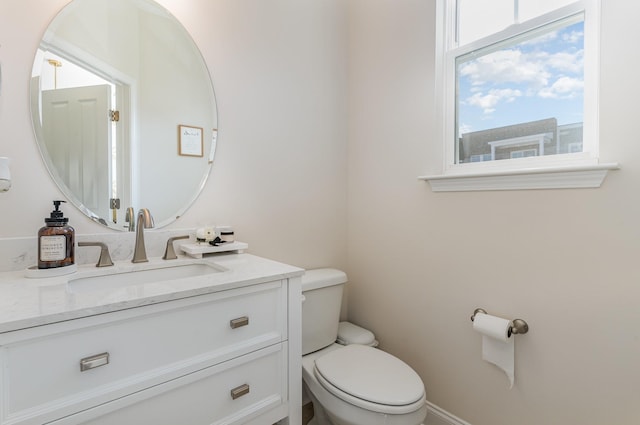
column 140, row 277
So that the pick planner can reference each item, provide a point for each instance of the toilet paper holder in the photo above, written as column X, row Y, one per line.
column 518, row 326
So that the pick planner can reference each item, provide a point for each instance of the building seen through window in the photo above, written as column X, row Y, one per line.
column 536, row 138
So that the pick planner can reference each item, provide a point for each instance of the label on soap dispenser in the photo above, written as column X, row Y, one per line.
column 53, row 248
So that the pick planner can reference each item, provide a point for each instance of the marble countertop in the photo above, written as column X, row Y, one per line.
column 28, row 302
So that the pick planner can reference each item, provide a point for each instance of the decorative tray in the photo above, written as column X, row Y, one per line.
column 34, row 272
column 197, row 250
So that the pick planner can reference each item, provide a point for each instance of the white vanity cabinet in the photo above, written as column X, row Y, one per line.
column 223, row 357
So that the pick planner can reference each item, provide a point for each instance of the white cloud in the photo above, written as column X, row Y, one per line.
column 563, row 87
column 566, row 62
column 513, row 73
column 465, row 128
column 573, row 37
column 489, row 101
column 545, row 72
column 506, row 66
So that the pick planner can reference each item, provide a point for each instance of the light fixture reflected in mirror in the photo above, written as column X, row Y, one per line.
column 55, row 64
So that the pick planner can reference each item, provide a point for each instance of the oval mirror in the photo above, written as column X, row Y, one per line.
column 123, row 110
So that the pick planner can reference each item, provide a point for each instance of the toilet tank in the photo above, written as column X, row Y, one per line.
column 322, row 291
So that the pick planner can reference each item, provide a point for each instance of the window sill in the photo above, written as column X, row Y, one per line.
column 569, row 177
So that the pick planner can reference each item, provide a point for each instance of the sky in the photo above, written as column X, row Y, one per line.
column 531, row 80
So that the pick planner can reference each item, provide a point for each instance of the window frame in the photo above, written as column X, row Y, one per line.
column 445, row 79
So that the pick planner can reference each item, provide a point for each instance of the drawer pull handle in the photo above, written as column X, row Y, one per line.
column 239, row 322
column 240, row 391
column 94, row 361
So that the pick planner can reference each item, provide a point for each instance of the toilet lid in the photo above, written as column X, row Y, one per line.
column 371, row 375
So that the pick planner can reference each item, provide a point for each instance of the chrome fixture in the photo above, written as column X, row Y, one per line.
column 105, row 258
column 169, row 252
column 239, row 322
column 144, row 221
column 238, row 392
column 518, row 326
column 92, row 362
column 129, row 219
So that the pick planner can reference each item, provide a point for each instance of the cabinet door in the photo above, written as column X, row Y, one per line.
column 239, row 391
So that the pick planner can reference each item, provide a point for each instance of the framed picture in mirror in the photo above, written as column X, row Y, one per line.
column 190, row 141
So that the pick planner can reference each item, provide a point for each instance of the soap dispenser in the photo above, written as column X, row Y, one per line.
column 56, row 241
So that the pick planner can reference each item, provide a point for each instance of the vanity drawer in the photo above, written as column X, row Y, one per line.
column 127, row 352
column 232, row 392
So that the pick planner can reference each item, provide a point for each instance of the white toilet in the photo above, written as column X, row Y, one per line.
column 354, row 383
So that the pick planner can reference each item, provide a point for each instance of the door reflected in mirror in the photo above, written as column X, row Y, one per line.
column 112, row 83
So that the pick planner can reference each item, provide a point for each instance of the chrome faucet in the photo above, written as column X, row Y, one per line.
column 105, row 257
column 144, row 221
column 130, row 219
column 170, row 252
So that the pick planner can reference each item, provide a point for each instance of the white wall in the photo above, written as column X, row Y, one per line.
column 563, row 260
column 278, row 72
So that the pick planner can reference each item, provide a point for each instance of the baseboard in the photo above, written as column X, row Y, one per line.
column 443, row 416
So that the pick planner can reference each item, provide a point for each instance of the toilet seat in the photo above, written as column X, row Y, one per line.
column 371, row 379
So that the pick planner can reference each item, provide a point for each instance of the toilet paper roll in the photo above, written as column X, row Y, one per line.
column 497, row 346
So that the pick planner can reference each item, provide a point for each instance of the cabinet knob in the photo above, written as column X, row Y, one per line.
column 92, row 362
column 240, row 391
column 239, row 322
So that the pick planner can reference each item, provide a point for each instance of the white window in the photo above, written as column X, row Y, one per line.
column 480, row 158
column 513, row 70
column 574, row 147
column 524, row 153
